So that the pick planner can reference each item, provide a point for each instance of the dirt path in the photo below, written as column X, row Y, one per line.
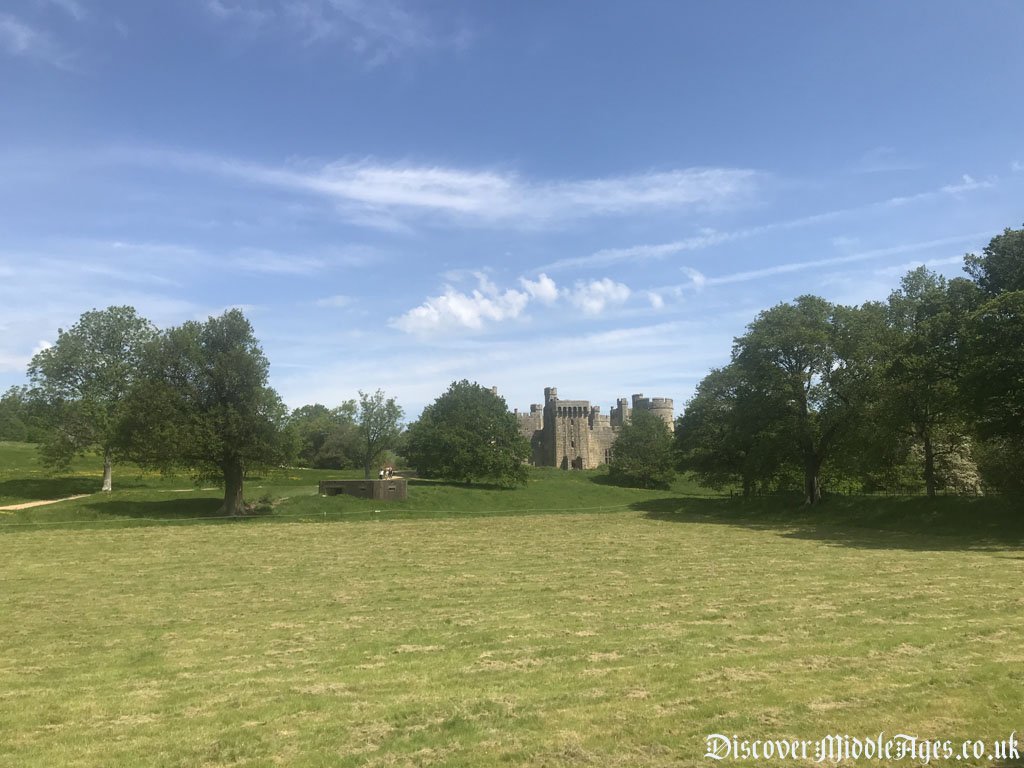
column 29, row 504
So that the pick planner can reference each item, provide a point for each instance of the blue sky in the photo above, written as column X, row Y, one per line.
column 592, row 196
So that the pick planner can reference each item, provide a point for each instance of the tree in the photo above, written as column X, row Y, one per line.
column 81, row 383
column 1000, row 268
column 921, row 369
column 203, row 404
column 993, row 380
column 643, row 455
column 466, row 435
column 19, row 417
column 726, row 435
column 815, row 363
column 326, row 437
column 378, row 426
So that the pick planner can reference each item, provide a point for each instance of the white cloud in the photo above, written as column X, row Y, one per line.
column 882, row 160
column 459, row 310
column 543, row 288
column 594, row 297
column 708, row 238
column 656, row 299
column 20, row 39
column 372, row 31
column 71, row 7
column 696, row 277
column 337, row 301
column 369, row 191
column 1017, row 166
column 40, row 346
column 800, row 266
column 270, row 262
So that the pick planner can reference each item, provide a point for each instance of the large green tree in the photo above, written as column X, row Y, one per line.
column 81, row 383
column 992, row 342
column 203, row 404
column 814, row 363
column 378, row 427
column 920, row 396
column 466, row 435
column 643, row 454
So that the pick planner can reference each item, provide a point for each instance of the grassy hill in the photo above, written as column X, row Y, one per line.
column 568, row 623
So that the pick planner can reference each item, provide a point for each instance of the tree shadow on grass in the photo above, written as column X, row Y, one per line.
column 944, row 524
column 47, row 488
column 170, row 509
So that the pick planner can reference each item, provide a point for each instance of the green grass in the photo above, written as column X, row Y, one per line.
column 440, row 633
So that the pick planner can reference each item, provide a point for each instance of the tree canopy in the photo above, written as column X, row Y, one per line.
column 203, row 403
column 378, row 427
column 82, row 381
column 643, row 455
column 468, row 434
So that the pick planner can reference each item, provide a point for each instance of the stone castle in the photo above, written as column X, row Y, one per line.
column 573, row 434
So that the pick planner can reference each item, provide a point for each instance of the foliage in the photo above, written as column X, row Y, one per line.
column 81, row 383
column 19, row 417
column 920, row 397
column 643, row 455
column 467, row 435
column 1000, row 268
column 204, row 404
column 810, row 364
column 724, row 436
column 326, row 437
column 378, row 427
column 993, row 382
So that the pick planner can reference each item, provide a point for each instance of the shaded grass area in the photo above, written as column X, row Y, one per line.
column 876, row 523
column 557, row 640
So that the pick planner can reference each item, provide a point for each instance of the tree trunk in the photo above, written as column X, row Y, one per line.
column 107, row 473
column 812, row 484
column 234, row 476
column 929, row 465
column 748, row 486
column 366, row 470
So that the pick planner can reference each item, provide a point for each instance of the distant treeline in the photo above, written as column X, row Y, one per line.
column 923, row 392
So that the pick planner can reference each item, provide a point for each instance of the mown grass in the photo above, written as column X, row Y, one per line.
column 442, row 634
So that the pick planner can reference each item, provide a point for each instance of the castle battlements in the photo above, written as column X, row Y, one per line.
column 573, row 434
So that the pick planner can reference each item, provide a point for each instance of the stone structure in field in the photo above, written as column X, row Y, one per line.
column 573, row 434
column 394, row 488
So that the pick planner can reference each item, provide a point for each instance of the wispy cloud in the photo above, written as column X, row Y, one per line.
column 708, row 238
column 700, row 280
column 20, row 39
column 469, row 196
column 1017, row 166
column 883, row 160
column 72, row 8
column 334, row 302
column 373, row 31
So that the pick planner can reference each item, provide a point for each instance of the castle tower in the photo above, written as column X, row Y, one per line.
column 662, row 408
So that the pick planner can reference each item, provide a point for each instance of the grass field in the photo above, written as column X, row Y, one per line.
column 482, row 627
